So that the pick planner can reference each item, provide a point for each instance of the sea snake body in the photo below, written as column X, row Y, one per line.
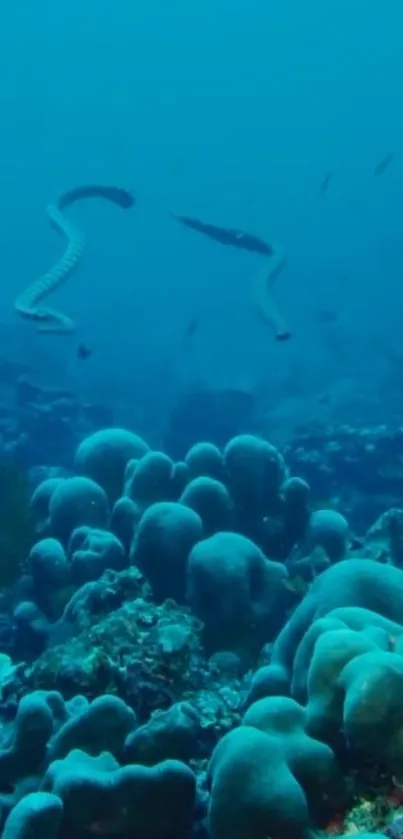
column 26, row 304
column 263, row 282
column 262, row 291
column 51, row 320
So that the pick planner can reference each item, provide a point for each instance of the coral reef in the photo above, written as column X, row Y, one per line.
column 198, row 649
column 41, row 425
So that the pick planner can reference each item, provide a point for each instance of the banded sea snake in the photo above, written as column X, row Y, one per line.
column 27, row 304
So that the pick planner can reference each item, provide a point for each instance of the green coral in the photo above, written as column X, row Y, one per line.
column 158, row 641
column 370, row 816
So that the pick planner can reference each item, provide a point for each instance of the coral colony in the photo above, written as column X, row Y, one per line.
column 195, row 649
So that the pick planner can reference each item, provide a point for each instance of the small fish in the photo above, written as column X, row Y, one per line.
column 283, row 335
column 189, row 332
column 326, row 314
column 383, row 164
column 325, row 183
column 83, row 352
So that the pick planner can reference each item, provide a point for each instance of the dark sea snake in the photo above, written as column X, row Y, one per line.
column 263, row 282
column 52, row 321
column 27, row 303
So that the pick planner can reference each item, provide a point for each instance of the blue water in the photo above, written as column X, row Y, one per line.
column 233, row 112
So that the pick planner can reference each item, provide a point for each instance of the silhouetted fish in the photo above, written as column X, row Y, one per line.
column 188, row 333
column 383, row 164
column 83, row 352
column 227, row 236
column 284, row 335
column 325, row 183
column 326, row 314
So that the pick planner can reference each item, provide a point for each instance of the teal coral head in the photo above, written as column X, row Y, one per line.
column 17, row 532
column 104, row 455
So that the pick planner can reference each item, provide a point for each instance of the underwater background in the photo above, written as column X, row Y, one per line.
column 201, row 420
column 230, row 113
